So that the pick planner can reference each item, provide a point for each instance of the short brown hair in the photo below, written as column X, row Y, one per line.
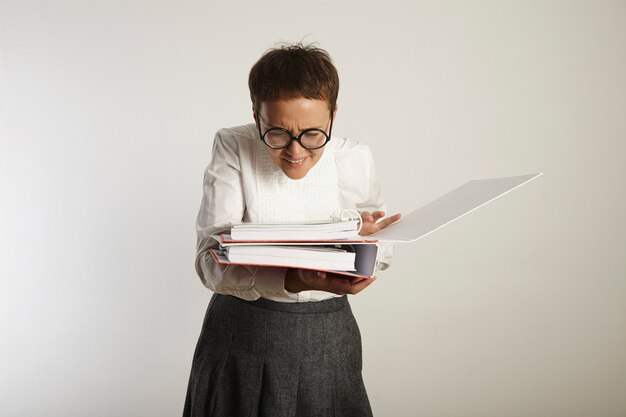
column 294, row 71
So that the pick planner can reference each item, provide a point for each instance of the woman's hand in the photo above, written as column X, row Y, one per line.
column 297, row 280
column 371, row 223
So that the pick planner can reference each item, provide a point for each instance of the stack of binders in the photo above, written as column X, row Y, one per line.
column 332, row 246
column 335, row 246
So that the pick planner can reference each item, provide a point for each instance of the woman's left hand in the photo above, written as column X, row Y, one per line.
column 371, row 223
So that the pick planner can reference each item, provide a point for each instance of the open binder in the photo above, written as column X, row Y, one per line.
column 409, row 228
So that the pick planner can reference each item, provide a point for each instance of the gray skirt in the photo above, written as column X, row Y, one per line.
column 265, row 358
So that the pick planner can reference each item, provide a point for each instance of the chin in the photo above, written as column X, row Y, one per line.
column 295, row 174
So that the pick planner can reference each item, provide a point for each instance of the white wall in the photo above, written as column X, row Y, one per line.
column 107, row 113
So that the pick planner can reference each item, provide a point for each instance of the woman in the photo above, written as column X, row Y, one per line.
column 283, row 342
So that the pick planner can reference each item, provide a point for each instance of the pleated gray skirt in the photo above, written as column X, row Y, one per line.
column 271, row 359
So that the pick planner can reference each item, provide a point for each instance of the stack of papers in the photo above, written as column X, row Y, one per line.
column 339, row 258
column 320, row 230
column 332, row 246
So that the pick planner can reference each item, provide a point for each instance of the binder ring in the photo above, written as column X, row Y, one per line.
column 342, row 215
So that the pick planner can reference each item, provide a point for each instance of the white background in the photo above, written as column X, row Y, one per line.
column 107, row 115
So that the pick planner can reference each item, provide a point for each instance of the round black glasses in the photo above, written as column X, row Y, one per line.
column 280, row 138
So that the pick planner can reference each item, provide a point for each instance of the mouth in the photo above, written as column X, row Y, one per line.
column 294, row 163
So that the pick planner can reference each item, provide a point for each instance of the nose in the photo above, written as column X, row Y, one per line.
column 295, row 149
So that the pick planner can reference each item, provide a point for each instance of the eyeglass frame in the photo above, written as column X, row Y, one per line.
column 292, row 137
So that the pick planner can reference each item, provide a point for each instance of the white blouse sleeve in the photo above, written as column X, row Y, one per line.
column 223, row 202
column 360, row 187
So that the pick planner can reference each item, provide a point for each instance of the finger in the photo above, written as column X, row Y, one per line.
column 378, row 214
column 389, row 220
column 360, row 286
column 369, row 228
column 341, row 285
column 348, row 278
column 367, row 216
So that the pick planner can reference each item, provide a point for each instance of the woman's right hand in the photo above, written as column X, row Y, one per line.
column 297, row 280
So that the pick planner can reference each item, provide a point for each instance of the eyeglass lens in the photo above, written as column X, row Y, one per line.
column 278, row 138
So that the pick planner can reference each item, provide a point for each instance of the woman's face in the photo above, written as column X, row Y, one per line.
column 295, row 115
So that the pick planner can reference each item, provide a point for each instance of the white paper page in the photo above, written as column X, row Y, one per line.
column 449, row 207
column 365, row 262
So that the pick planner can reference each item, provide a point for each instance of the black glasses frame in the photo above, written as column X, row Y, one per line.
column 296, row 138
